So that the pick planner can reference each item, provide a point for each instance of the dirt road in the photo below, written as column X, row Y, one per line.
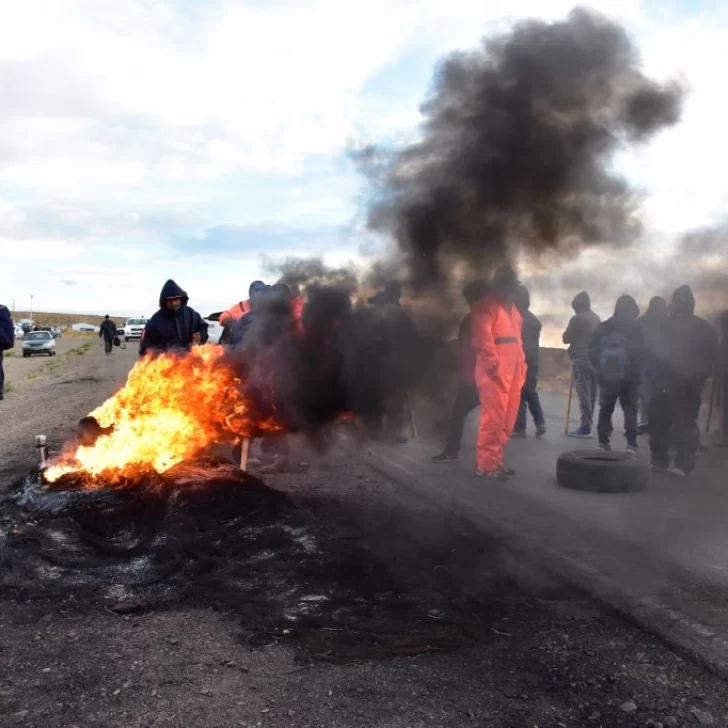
column 48, row 395
column 547, row 657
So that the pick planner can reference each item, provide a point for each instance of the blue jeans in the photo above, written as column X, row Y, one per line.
column 530, row 401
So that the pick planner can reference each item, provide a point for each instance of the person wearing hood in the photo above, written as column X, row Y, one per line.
column 529, row 395
column 578, row 335
column 240, row 327
column 652, row 323
column 723, row 378
column 617, row 353
column 400, row 342
column 685, row 355
column 268, row 324
column 500, row 371
column 7, row 341
column 107, row 332
column 228, row 318
column 176, row 326
column 466, row 399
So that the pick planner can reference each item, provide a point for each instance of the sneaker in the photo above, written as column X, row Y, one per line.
column 444, row 457
column 519, row 434
column 676, row 473
column 631, row 451
column 642, row 428
column 491, row 474
column 605, row 447
column 540, row 431
column 506, row 470
column 582, row 432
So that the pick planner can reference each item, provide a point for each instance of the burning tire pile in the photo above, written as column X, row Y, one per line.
column 207, row 534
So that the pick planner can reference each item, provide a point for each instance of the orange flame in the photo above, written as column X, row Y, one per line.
column 171, row 407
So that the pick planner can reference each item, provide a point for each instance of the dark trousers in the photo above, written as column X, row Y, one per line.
column 628, row 395
column 108, row 345
column 674, row 425
column 530, row 401
column 394, row 411
column 466, row 400
column 586, row 383
column 723, row 409
column 2, row 374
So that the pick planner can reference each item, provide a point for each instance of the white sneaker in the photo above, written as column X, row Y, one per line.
column 677, row 473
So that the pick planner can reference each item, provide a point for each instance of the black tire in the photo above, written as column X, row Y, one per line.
column 596, row 471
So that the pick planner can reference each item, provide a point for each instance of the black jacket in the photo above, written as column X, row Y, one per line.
column 172, row 330
column 686, row 352
column 624, row 322
column 107, row 330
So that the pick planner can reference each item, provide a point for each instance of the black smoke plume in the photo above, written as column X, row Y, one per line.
column 518, row 137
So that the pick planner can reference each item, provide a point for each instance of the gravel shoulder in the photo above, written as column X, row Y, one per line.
column 48, row 395
column 551, row 656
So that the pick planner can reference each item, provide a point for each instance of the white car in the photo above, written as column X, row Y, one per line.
column 39, row 342
column 214, row 329
column 134, row 327
column 19, row 333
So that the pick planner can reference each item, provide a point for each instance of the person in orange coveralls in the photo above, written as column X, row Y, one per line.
column 500, row 371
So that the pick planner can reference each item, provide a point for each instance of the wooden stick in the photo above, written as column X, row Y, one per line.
column 713, row 392
column 568, row 403
column 244, row 452
column 411, row 415
column 723, row 403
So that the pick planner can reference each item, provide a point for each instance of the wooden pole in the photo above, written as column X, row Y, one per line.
column 244, row 452
column 568, row 402
column 713, row 392
column 411, row 415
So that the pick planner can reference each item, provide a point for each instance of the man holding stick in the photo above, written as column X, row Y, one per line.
column 578, row 336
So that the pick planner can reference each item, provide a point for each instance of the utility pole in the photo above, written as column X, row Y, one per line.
column 30, row 313
column 13, row 308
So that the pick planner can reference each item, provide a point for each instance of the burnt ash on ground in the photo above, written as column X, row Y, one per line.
column 295, row 570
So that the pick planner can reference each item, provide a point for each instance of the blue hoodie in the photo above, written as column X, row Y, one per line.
column 172, row 329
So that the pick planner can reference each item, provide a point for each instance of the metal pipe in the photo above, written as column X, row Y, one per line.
column 40, row 443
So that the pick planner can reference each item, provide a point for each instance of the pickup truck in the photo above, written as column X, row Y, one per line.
column 133, row 328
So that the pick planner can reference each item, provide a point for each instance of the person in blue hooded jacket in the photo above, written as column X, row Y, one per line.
column 175, row 325
column 7, row 341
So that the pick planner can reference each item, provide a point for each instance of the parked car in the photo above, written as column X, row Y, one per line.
column 134, row 327
column 119, row 330
column 214, row 329
column 39, row 342
column 56, row 332
column 19, row 333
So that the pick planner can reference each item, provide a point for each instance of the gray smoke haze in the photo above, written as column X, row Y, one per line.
column 310, row 272
column 518, row 136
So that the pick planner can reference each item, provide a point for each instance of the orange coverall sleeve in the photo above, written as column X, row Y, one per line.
column 482, row 336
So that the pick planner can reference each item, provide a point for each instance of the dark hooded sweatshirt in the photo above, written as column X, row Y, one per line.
column 7, row 339
column 172, row 329
column 581, row 327
column 624, row 322
column 687, row 351
column 531, row 332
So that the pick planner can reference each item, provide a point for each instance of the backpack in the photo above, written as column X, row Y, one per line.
column 613, row 359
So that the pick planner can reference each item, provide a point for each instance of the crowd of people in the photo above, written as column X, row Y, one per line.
column 655, row 365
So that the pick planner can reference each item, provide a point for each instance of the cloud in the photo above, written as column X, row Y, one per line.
column 134, row 134
column 69, row 283
column 264, row 238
